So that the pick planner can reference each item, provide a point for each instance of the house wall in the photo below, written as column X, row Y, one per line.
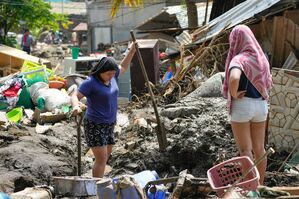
column 126, row 19
column 285, row 40
column 284, row 110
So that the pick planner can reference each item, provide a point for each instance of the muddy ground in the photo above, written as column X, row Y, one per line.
column 198, row 136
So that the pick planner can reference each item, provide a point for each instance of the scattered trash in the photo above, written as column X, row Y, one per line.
column 225, row 174
column 15, row 115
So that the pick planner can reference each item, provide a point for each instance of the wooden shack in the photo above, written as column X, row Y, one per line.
column 11, row 60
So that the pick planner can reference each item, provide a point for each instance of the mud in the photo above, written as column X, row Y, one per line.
column 198, row 134
column 29, row 159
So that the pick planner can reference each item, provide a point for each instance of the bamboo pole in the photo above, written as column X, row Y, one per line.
column 161, row 133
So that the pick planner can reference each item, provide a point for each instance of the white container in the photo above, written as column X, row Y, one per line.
column 32, row 193
column 105, row 189
column 76, row 186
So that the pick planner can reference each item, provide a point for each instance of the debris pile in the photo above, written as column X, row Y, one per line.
column 197, row 131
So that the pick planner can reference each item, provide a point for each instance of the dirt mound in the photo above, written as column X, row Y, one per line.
column 198, row 134
column 197, row 130
column 29, row 159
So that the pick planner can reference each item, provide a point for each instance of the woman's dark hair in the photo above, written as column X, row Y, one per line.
column 104, row 65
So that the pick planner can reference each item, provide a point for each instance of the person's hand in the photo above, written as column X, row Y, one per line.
column 82, row 106
column 76, row 110
column 239, row 94
column 132, row 47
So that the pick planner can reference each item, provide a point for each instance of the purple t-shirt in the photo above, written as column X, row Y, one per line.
column 101, row 99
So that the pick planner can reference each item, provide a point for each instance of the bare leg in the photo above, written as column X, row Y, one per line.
column 109, row 151
column 258, row 140
column 242, row 137
column 100, row 154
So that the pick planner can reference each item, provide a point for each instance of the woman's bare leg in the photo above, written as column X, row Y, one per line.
column 258, row 147
column 241, row 131
column 100, row 154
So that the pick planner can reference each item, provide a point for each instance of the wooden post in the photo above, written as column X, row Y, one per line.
column 79, row 119
column 206, row 13
column 161, row 133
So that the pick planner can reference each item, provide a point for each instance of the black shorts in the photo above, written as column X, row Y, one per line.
column 98, row 135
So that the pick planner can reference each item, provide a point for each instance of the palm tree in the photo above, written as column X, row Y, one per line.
column 190, row 4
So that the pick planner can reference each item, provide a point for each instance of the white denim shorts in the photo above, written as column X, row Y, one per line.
column 249, row 110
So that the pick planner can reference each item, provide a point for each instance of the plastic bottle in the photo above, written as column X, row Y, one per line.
column 4, row 196
column 145, row 176
column 105, row 189
column 159, row 194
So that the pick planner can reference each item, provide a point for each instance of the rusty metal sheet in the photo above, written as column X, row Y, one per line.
column 229, row 19
column 284, row 109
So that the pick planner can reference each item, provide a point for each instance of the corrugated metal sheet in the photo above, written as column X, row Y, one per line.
column 234, row 16
column 184, row 38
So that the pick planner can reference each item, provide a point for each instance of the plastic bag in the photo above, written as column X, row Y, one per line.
column 53, row 98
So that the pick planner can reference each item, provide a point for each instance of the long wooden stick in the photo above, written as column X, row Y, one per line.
column 79, row 119
column 161, row 133
column 295, row 147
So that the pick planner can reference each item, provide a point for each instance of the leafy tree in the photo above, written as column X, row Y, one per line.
column 33, row 14
column 116, row 4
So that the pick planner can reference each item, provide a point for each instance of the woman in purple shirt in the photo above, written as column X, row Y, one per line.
column 101, row 91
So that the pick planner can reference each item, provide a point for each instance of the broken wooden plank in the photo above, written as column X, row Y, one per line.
column 290, row 62
column 284, row 39
column 288, row 197
column 291, row 190
column 180, row 185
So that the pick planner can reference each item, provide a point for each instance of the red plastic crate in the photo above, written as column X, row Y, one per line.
column 223, row 175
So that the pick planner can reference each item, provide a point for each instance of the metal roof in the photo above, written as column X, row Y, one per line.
column 231, row 18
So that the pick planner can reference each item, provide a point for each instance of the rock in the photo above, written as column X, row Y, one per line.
column 42, row 129
column 140, row 122
column 130, row 145
column 29, row 113
column 122, row 120
column 132, row 166
column 117, row 130
column 210, row 88
column 180, row 112
column 3, row 118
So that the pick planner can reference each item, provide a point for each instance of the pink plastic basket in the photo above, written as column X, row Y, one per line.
column 223, row 175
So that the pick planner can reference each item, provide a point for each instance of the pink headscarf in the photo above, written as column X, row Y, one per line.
column 245, row 51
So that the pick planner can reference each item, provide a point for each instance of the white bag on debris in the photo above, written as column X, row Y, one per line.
column 54, row 98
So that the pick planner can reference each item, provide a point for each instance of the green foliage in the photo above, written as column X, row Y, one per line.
column 9, row 41
column 36, row 15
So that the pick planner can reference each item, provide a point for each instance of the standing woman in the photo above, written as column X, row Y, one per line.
column 246, row 86
column 101, row 91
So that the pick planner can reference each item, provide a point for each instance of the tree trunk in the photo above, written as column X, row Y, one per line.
column 191, row 13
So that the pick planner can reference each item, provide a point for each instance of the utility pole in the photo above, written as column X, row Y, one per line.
column 89, row 27
column 62, row 4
